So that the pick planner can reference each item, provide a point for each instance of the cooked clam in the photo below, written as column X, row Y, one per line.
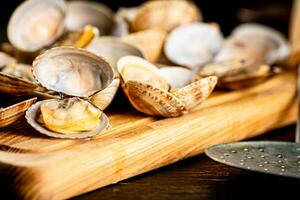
column 165, row 15
column 193, row 45
column 76, row 73
column 36, row 24
column 255, row 44
column 150, row 42
column 148, row 90
column 247, row 55
column 83, row 13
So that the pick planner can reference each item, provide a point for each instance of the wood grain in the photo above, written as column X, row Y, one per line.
column 44, row 168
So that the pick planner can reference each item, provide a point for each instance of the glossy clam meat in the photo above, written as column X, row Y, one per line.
column 149, row 91
column 36, row 24
column 69, row 116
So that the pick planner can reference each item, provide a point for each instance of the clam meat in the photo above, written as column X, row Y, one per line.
column 76, row 74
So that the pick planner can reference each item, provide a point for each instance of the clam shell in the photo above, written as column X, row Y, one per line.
column 165, row 15
column 247, row 79
column 196, row 92
column 177, row 77
column 53, row 71
column 153, row 101
column 255, row 43
column 150, row 42
column 36, row 24
column 112, row 49
column 193, row 45
column 33, row 112
column 15, row 86
column 120, row 28
column 103, row 98
column 148, row 97
column 6, row 59
column 12, row 113
column 83, row 13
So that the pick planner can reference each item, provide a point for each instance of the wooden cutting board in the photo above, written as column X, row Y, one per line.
column 39, row 167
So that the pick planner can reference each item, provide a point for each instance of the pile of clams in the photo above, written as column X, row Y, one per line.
column 73, row 55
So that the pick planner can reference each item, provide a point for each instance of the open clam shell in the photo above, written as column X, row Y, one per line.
column 257, row 44
column 150, row 42
column 60, row 69
column 73, row 72
column 165, row 15
column 36, row 24
column 148, row 90
column 32, row 115
column 193, row 45
column 83, row 13
column 12, row 113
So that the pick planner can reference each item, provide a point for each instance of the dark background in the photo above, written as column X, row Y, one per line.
column 227, row 13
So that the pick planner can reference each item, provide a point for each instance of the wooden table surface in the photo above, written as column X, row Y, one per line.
column 201, row 178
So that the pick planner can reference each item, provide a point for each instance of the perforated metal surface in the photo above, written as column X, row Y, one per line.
column 278, row 158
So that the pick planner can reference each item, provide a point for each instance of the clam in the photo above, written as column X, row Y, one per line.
column 12, row 113
column 36, row 24
column 82, row 13
column 78, row 74
column 15, row 78
column 149, row 91
column 255, row 44
column 6, row 60
column 165, row 15
column 247, row 55
column 193, row 45
column 111, row 49
column 149, row 41
column 123, row 18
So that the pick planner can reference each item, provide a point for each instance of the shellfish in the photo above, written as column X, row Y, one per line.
column 36, row 24
column 149, row 91
column 247, row 55
column 83, row 13
column 165, row 15
column 111, row 49
column 150, row 42
column 193, row 45
column 12, row 113
column 76, row 73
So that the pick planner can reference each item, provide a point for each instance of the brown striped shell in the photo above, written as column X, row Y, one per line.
column 165, row 15
column 149, row 92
